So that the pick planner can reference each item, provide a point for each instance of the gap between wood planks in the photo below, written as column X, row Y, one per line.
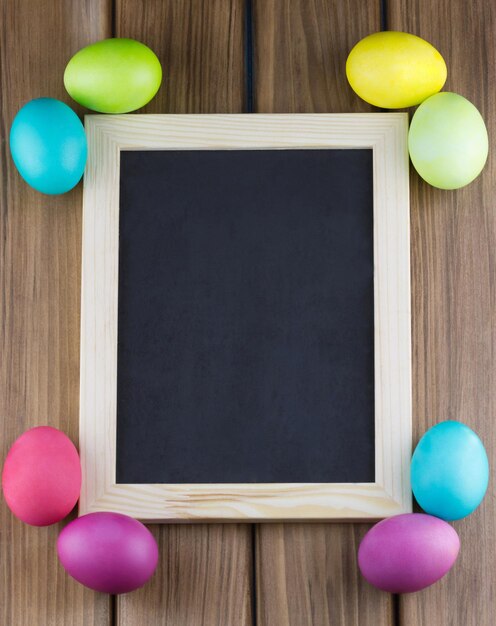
column 249, row 56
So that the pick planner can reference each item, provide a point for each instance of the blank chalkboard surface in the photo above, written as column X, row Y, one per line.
column 245, row 321
column 246, row 317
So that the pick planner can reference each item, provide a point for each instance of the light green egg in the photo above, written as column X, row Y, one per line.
column 448, row 141
column 113, row 76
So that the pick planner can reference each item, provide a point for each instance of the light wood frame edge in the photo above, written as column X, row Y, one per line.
column 386, row 134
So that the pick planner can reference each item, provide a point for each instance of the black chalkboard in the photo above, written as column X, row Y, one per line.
column 245, row 323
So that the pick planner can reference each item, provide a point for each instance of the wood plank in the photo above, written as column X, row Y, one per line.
column 307, row 574
column 454, row 302
column 203, row 577
column 300, row 50
column 40, row 241
column 200, row 46
column 205, row 571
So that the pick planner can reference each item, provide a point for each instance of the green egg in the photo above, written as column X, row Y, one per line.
column 113, row 76
column 448, row 141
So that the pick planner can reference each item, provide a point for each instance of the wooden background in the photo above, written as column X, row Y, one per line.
column 235, row 56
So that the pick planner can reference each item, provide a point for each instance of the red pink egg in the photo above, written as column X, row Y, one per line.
column 41, row 477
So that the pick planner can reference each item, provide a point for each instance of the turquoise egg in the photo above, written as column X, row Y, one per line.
column 449, row 471
column 48, row 145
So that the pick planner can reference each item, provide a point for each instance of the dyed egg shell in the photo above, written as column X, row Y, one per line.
column 108, row 552
column 449, row 471
column 41, row 476
column 113, row 76
column 48, row 145
column 395, row 70
column 448, row 141
column 407, row 553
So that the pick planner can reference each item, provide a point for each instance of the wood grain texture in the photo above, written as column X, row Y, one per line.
column 300, row 50
column 200, row 46
column 308, row 574
column 454, row 303
column 300, row 53
column 201, row 579
column 40, row 240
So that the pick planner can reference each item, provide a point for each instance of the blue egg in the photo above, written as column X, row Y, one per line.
column 449, row 471
column 48, row 145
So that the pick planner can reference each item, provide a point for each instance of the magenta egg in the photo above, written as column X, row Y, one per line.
column 108, row 552
column 41, row 476
column 407, row 553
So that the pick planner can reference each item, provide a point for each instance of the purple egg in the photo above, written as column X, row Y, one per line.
column 108, row 552
column 407, row 553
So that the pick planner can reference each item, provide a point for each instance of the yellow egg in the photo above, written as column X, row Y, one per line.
column 394, row 70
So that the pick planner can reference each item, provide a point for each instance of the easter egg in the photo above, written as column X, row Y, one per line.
column 407, row 553
column 113, row 76
column 395, row 70
column 448, row 141
column 48, row 145
column 449, row 471
column 108, row 552
column 41, row 477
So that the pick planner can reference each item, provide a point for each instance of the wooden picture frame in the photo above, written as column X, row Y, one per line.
column 386, row 135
